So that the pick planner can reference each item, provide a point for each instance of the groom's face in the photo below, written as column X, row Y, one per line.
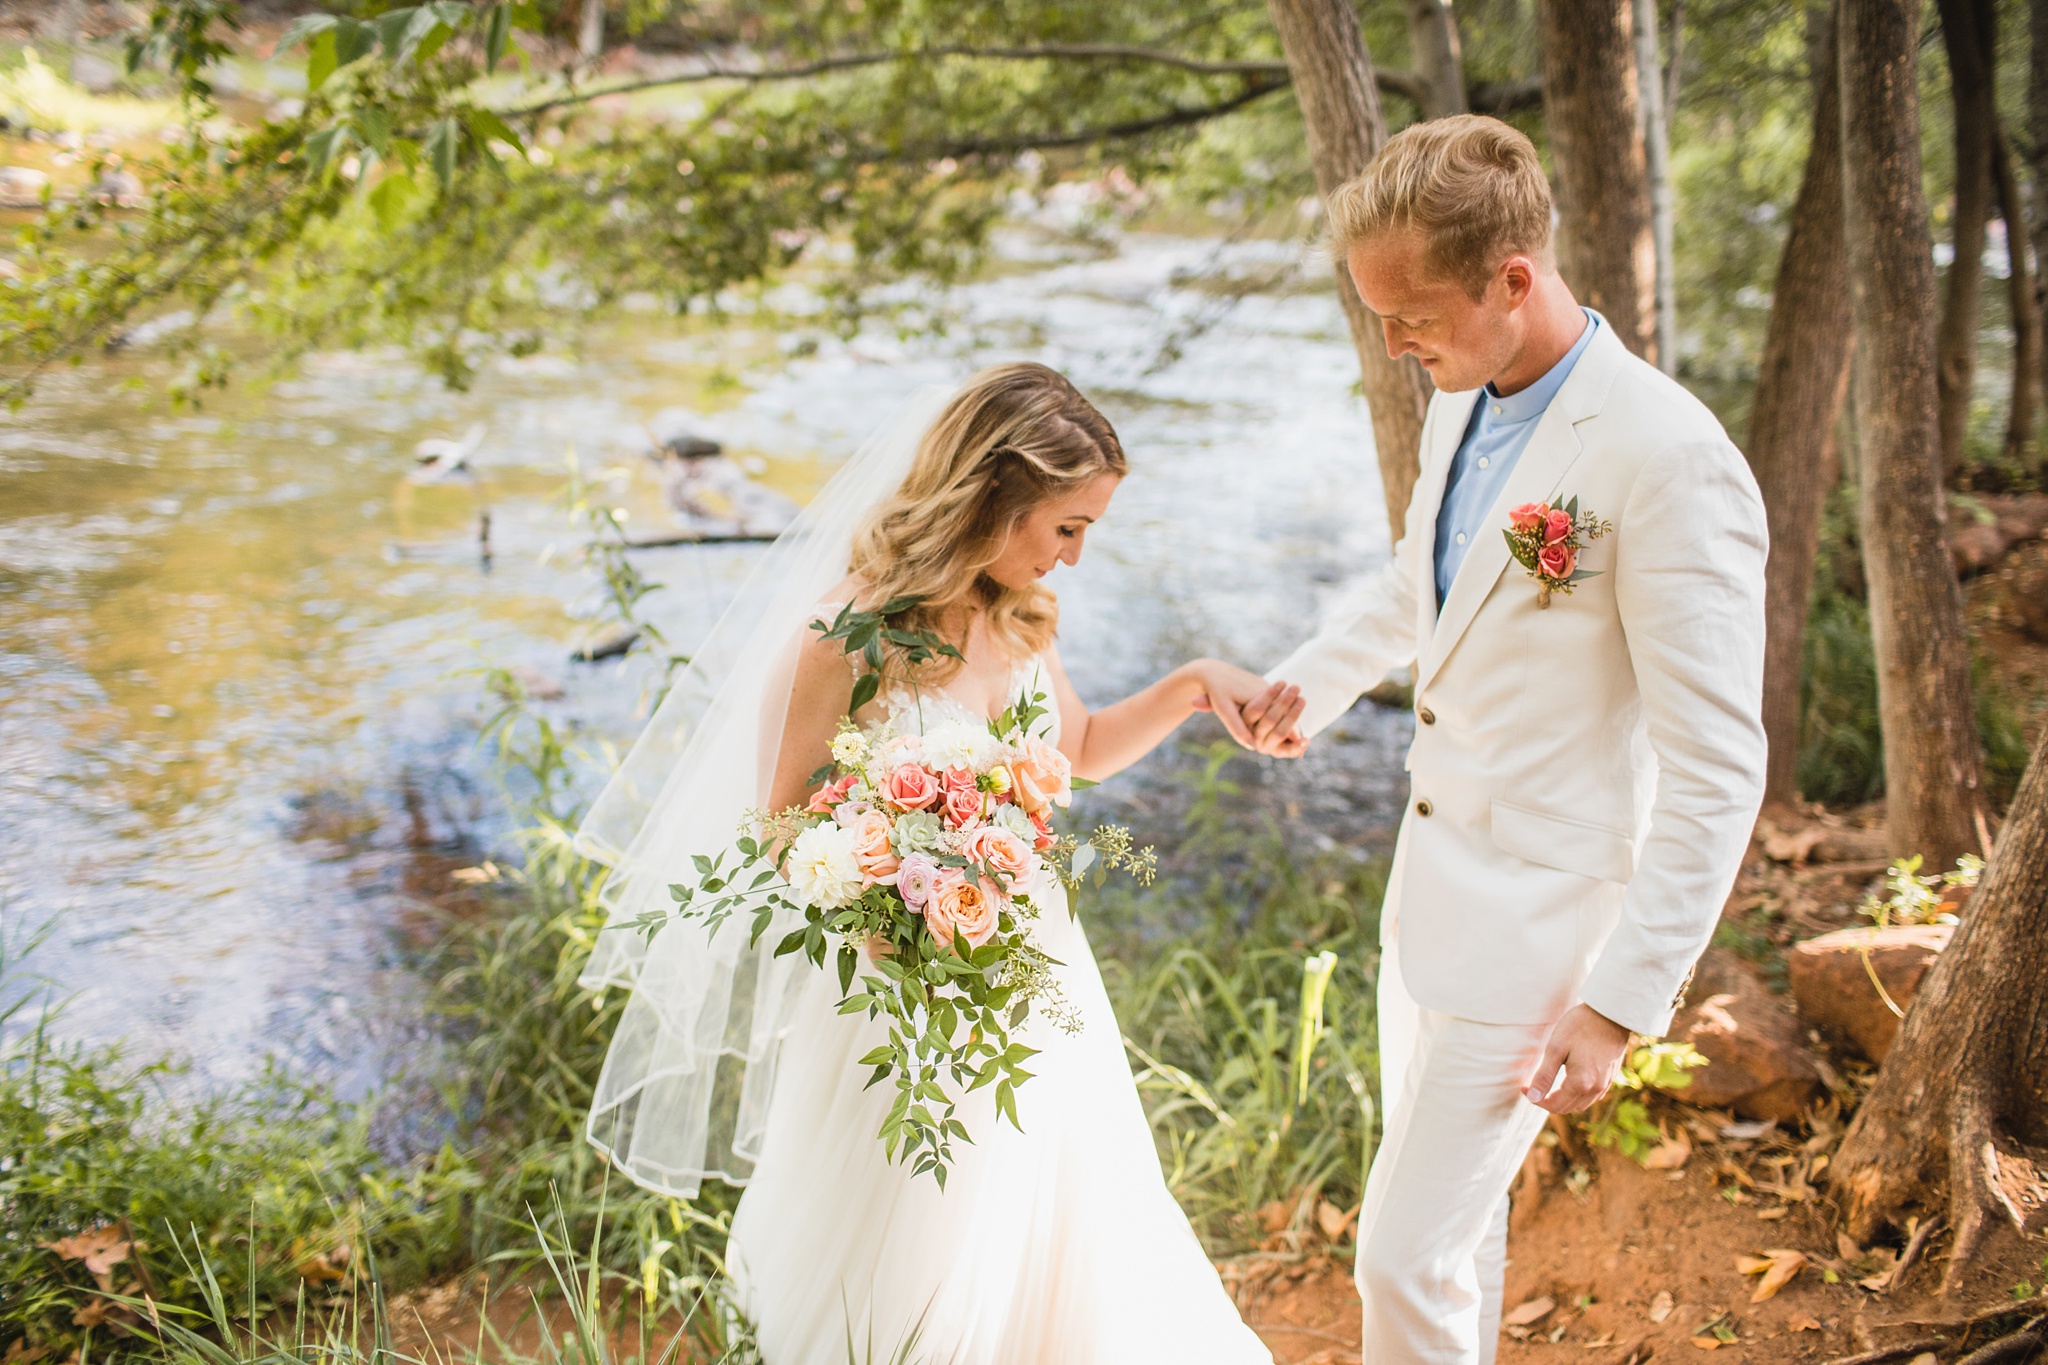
column 1463, row 342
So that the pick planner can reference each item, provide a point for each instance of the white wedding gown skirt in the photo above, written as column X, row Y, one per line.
column 1056, row 1245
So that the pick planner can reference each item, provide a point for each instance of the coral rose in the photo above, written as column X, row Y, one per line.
column 1557, row 561
column 1042, row 774
column 831, row 794
column 963, row 805
column 1557, row 525
column 910, row 787
column 959, row 909
column 1528, row 516
column 1046, row 839
column 878, row 861
column 1004, row 854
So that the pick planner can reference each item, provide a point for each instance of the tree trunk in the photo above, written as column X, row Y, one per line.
column 1969, row 1072
column 1932, row 791
column 1605, row 247
column 2037, row 162
column 1332, row 77
column 1657, row 169
column 2025, row 303
column 590, row 31
column 1968, row 29
column 1433, row 44
column 1800, row 386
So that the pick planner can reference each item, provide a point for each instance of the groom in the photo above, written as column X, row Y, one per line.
column 1587, row 765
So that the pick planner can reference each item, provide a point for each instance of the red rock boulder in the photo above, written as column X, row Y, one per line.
column 1756, row 1060
column 1833, row 988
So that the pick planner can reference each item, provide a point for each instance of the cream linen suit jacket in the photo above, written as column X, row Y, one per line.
column 1586, row 776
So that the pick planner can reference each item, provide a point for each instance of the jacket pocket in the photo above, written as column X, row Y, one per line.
column 1594, row 851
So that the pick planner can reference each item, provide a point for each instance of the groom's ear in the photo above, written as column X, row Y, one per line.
column 1516, row 277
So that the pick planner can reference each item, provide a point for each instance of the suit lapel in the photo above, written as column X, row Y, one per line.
column 1453, row 414
column 1550, row 454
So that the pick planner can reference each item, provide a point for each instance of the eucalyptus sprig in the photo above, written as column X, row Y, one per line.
column 862, row 634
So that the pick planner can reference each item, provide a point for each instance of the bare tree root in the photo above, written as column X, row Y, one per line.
column 2016, row 1347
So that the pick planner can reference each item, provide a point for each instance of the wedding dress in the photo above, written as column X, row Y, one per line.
column 1056, row 1245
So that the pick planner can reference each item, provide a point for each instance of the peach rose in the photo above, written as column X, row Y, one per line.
column 1003, row 854
column 1527, row 517
column 910, row 787
column 831, row 794
column 878, row 861
column 1042, row 775
column 959, row 909
column 963, row 805
column 1557, row 525
column 1557, row 561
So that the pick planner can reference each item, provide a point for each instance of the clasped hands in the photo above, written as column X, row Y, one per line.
column 1259, row 715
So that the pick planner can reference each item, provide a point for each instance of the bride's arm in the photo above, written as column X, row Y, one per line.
column 1101, row 743
column 818, row 694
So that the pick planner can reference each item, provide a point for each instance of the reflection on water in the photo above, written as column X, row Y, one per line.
column 236, row 742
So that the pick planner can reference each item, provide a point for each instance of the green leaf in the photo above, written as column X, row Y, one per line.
column 441, row 143
column 703, row 864
column 322, row 147
column 485, row 125
column 321, row 59
column 497, row 37
column 1577, row 574
column 301, row 29
column 375, row 126
column 393, row 195
column 1571, row 509
column 353, row 41
column 864, row 689
column 528, row 17
column 1081, row 784
column 393, row 24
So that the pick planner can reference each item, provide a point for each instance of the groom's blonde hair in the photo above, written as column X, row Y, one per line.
column 1470, row 184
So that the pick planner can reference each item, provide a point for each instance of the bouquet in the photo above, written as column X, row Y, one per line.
column 1545, row 539
column 921, row 856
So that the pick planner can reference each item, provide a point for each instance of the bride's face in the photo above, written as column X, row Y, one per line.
column 1052, row 533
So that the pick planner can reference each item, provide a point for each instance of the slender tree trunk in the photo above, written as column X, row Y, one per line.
column 1433, row 41
column 1932, row 791
column 2025, row 302
column 1332, row 77
column 1657, row 168
column 1605, row 247
column 1799, row 392
column 590, row 31
column 1968, row 30
column 1969, row 1073
column 2037, row 163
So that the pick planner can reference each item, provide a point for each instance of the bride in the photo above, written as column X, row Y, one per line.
column 1059, row 1243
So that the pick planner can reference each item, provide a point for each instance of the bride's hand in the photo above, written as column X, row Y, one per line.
column 1230, row 692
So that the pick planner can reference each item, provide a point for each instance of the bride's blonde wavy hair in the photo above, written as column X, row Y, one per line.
column 1013, row 437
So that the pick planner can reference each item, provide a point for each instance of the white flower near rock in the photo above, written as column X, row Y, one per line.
column 956, row 745
column 822, row 869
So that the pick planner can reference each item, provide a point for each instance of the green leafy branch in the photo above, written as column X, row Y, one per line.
column 866, row 636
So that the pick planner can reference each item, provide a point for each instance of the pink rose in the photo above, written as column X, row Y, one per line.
column 1043, row 776
column 1557, row 561
column 963, row 806
column 915, row 879
column 1528, row 516
column 1004, row 855
column 878, row 861
column 953, row 779
column 910, row 787
column 1557, row 525
column 1046, row 838
column 831, row 794
column 959, row 909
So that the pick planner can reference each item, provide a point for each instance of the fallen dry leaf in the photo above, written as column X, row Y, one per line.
column 1925, row 1358
column 1535, row 1310
column 100, row 1248
column 1778, row 1269
column 1604, row 1339
column 1273, row 1215
column 1801, row 1323
column 1846, row 1248
column 1707, row 1343
column 1672, row 1154
column 95, row 1311
column 1752, row 1265
column 1660, row 1307
column 1772, row 1215
column 1334, row 1221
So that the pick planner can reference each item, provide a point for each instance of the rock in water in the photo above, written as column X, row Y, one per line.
column 1757, row 1065
column 1833, row 987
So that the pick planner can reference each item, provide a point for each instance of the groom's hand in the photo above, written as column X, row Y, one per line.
column 1588, row 1047
column 1272, row 717
column 1259, row 715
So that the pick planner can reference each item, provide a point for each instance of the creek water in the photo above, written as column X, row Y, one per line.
column 238, row 705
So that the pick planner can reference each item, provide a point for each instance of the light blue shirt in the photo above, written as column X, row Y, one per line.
column 1499, row 430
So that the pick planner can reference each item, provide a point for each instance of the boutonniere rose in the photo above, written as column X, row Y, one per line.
column 1545, row 538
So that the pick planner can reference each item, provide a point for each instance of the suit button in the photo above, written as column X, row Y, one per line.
column 1423, row 808
column 1426, row 716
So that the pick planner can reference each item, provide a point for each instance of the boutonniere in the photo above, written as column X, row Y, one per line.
column 1545, row 538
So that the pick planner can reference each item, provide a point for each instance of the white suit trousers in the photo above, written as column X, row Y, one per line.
column 1432, row 1247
